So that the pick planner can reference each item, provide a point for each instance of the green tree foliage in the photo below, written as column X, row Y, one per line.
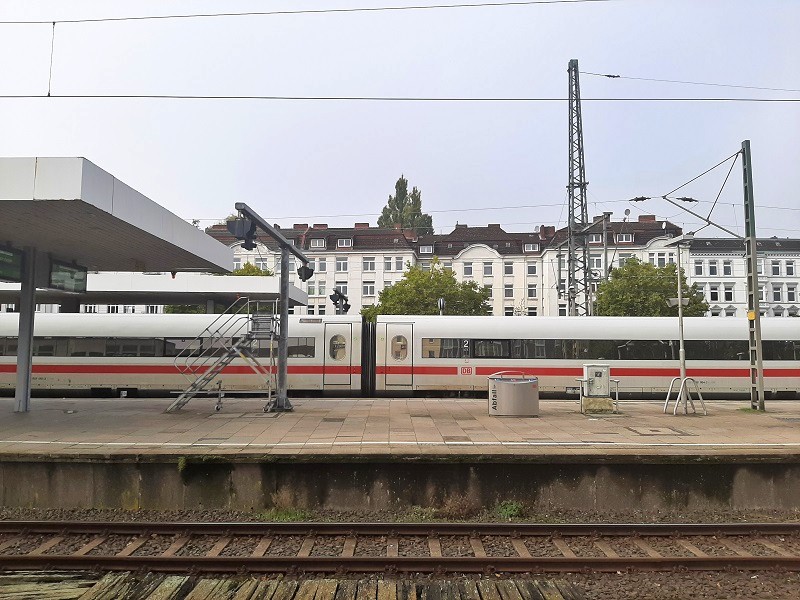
column 419, row 291
column 640, row 289
column 247, row 269
column 405, row 209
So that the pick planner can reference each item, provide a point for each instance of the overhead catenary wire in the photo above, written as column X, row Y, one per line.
column 306, row 11
column 700, row 83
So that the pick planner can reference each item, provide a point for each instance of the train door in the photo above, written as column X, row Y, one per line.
column 338, row 354
column 399, row 357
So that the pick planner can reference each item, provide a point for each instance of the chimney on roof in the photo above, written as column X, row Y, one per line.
column 300, row 226
column 647, row 218
column 276, row 226
column 362, row 226
column 547, row 231
column 320, row 226
column 461, row 226
column 493, row 225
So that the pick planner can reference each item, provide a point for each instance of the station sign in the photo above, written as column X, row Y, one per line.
column 67, row 277
column 10, row 264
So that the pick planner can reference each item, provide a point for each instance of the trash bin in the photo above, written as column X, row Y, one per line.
column 513, row 395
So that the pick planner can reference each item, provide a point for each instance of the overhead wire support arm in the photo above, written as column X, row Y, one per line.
column 253, row 221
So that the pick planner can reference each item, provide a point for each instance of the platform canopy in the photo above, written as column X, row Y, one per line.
column 62, row 217
column 75, row 211
column 164, row 288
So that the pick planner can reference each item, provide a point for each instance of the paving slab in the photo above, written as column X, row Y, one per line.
column 392, row 427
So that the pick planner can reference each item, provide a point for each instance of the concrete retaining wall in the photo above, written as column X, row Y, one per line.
column 194, row 482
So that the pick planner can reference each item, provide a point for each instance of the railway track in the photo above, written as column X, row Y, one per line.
column 395, row 547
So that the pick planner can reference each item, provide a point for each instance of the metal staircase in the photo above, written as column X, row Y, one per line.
column 230, row 336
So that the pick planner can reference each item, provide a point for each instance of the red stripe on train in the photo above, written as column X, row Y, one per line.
column 172, row 370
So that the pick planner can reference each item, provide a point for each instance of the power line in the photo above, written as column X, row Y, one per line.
column 305, row 11
column 678, row 81
column 479, row 99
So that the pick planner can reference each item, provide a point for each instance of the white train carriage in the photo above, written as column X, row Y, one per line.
column 108, row 353
column 431, row 353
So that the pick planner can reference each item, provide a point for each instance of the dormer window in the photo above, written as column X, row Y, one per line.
column 624, row 237
column 531, row 248
column 426, row 249
column 344, row 243
column 595, row 238
column 318, row 243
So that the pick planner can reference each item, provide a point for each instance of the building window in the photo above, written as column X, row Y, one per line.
column 368, row 288
column 532, row 312
column 730, row 311
column 237, row 264
column 727, row 267
column 398, row 264
column 467, row 269
column 508, row 268
column 508, row 311
column 698, row 267
column 713, row 293
column 531, row 268
column 311, row 289
column 344, row 243
column 112, row 308
column 762, row 293
column 321, row 309
column 624, row 237
column 426, row 249
column 716, row 311
column 595, row 261
column 562, row 310
column 760, row 266
column 342, row 287
column 387, row 263
column 320, row 288
column 87, row 308
column 791, row 293
column 322, row 265
column 151, row 309
column 368, row 263
column 426, row 265
column 341, row 264
column 790, row 268
column 310, row 310
column 777, row 293
column 531, row 290
column 488, row 288
column 530, row 248
column 128, row 309
column 595, row 238
column 624, row 257
column 387, row 285
column 508, row 290
column 487, row 269
column 728, row 293
column 712, row 267
column 776, row 267
column 447, row 265
column 317, row 243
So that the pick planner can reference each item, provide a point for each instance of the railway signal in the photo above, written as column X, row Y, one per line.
column 340, row 302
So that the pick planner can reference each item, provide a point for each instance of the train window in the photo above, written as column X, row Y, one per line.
column 338, row 347
column 301, row 347
column 491, row 349
column 182, row 346
column 8, row 346
column 87, row 347
column 445, row 348
column 399, row 347
column 780, row 350
column 716, row 349
column 49, row 346
column 646, row 350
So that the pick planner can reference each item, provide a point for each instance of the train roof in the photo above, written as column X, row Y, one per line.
column 628, row 328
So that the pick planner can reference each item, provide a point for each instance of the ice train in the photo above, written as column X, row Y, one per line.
column 405, row 355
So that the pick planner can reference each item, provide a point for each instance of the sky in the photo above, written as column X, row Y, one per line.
column 475, row 162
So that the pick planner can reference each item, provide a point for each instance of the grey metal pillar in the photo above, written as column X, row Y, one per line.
column 282, row 399
column 683, row 392
column 27, row 311
column 753, row 309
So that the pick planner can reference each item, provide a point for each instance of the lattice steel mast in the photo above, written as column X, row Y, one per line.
column 578, row 290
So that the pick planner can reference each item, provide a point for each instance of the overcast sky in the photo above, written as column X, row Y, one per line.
column 336, row 162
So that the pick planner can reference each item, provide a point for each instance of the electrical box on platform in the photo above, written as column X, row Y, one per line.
column 597, row 381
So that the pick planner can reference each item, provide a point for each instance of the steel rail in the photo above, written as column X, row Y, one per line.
column 400, row 529
column 324, row 564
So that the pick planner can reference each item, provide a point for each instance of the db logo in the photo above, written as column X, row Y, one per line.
column 466, row 370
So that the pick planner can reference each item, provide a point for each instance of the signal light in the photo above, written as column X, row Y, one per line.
column 304, row 272
column 243, row 229
column 340, row 301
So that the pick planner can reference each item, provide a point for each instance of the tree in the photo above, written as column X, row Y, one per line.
column 247, row 269
column 405, row 210
column 419, row 291
column 640, row 289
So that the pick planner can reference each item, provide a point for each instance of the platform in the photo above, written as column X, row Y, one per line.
column 393, row 427
column 388, row 454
